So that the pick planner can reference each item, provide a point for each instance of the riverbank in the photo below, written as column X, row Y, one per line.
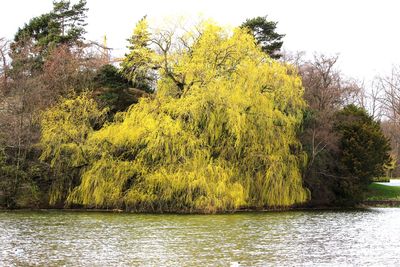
column 378, row 195
column 383, row 195
column 238, row 211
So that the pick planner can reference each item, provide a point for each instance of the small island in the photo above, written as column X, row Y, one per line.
column 192, row 143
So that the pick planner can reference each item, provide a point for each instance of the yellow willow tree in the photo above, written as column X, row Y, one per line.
column 65, row 128
column 219, row 134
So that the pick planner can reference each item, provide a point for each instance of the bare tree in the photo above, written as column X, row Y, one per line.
column 370, row 98
column 4, row 65
column 326, row 91
column 67, row 70
column 30, row 90
column 389, row 85
column 325, row 87
column 296, row 58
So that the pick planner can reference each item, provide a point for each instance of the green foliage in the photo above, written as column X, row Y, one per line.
column 228, row 140
column 361, row 153
column 17, row 183
column 8, row 182
column 355, row 151
column 364, row 148
column 69, row 21
column 112, row 89
column 265, row 35
column 109, row 76
column 64, row 25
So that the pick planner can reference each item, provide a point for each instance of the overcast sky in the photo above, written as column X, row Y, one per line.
column 364, row 33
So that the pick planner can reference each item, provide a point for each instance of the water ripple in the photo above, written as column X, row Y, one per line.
column 323, row 238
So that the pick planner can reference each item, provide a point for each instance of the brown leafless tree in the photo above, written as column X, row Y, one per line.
column 30, row 91
column 4, row 64
column 326, row 90
column 370, row 98
column 389, row 87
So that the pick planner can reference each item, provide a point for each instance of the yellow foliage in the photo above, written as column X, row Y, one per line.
column 139, row 60
column 220, row 134
column 65, row 128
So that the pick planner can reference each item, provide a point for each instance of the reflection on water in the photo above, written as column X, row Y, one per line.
column 362, row 237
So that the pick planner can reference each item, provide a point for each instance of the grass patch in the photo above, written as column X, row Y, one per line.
column 383, row 192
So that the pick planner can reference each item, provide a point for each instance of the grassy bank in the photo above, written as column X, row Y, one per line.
column 383, row 195
column 383, row 192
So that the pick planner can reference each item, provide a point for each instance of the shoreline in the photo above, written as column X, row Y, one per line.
column 382, row 203
column 362, row 206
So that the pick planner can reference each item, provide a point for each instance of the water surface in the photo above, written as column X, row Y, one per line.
column 54, row 238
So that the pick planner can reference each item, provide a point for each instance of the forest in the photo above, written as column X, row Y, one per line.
column 198, row 118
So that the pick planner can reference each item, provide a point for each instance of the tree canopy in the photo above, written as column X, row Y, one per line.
column 264, row 32
column 64, row 25
column 219, row 134
column 364, row 150
column 201, row 119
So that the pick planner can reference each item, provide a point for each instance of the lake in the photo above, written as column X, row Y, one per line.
column 62, row 238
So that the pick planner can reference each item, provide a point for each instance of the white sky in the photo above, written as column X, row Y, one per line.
column 364, row 33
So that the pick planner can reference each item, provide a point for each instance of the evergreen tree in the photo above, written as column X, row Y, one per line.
column 109, row 76
column 69, row 20
column 114, row 90
column 364, row 148
column 64, row 25
column 265, row 35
